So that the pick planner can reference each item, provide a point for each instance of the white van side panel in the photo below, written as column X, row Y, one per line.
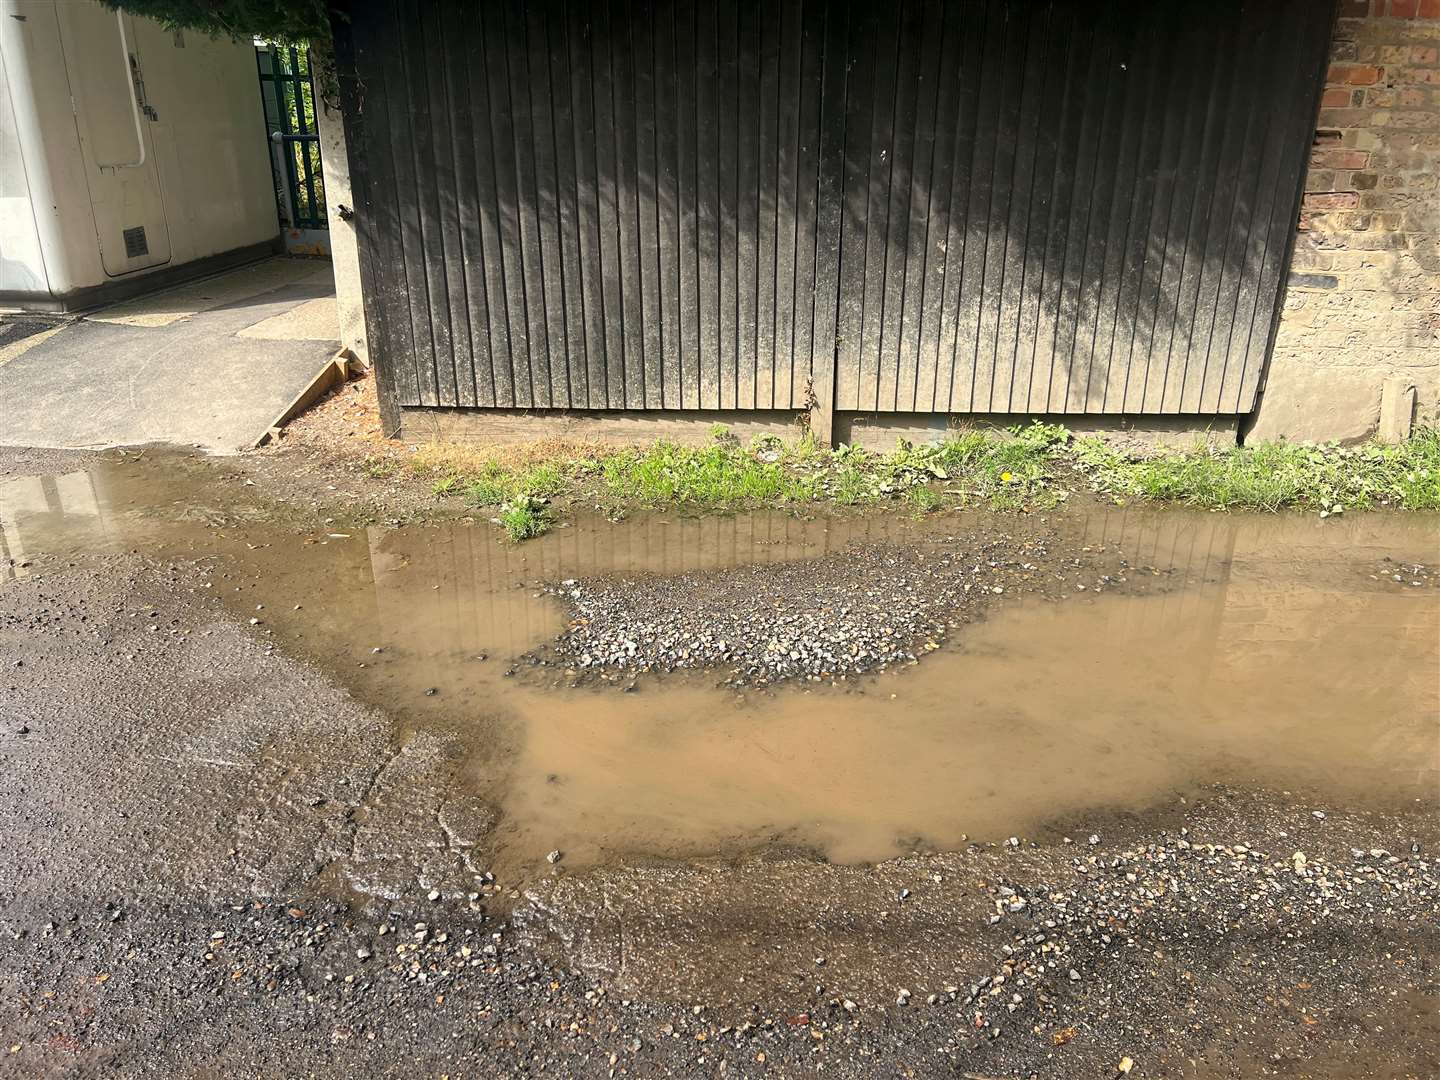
column 203, row 189
column 49, row 144
column 209, row 140
column 22, row 264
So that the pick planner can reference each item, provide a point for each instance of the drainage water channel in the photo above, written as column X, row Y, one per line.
column 1283, row 652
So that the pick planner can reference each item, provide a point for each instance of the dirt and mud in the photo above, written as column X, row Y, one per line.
column 281, row 794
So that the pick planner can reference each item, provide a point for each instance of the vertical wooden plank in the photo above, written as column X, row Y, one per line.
column 1121, row 97
column 892, row 195
column 1047, row 135
column 688, row 199
column 1179, row 317
column 708, row 251
column 810, row 298
column 437, row 373
column 856, row 136
column 642, row 18
column 473, row 304
column 789, row 59
column 830, row 179
column 507, row 201
column 994, row 287
column 1046, row 367
column 885, row 91
column 727, row 120
column 898, row 193
column 627, row 201
column 952, row 336
column 528, row 250
column 406, row 111
column 491, row 251
column 767, row 268
column 922, row 204
column 379, row 230
column 1215, row 288
column 1022, row 140
column 1154, row 58
column 747, row 208
column 1114, row 180
column 577, row 343
column 609, row 239
column 1077, row 232
column 930, row 296
column 455, row 372
column 667, row 210
column 1172, row 184
column 989, row 103
column 544, row 152
column 580, row 50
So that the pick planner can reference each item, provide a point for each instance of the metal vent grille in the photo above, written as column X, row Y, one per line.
column 135, row 242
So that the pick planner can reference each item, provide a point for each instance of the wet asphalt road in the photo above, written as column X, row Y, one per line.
column 185, row 812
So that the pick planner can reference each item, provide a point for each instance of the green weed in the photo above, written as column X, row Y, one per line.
column 922, row 500
column 1273, row 476
column 852, row 485
column 489, row 490
column 380, row 466
column 1028, row 467
column 544, row 480
column 719, row 477
column 525, row 518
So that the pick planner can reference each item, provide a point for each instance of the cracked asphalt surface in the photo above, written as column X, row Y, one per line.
column 218, row 860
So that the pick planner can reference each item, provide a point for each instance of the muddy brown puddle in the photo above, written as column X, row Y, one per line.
column 1281, row 652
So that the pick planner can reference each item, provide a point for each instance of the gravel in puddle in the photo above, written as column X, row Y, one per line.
column 830, row 618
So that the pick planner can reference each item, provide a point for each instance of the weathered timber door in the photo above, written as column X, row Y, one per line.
column 1080, row 206
column 605, row 206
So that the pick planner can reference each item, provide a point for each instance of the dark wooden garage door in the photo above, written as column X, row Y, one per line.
column 1003, row 206
column 1070, row 207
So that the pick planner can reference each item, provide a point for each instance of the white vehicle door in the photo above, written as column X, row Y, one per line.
column 107, row 91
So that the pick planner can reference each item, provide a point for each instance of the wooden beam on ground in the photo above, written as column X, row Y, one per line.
column 336, row 372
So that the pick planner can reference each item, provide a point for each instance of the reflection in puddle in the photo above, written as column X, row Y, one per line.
column 1281, row 653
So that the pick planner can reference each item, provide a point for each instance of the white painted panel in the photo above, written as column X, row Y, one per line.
column 204, row 187
column 22, row 266
column 124, row 181
column 50, row 145
column 210, row 139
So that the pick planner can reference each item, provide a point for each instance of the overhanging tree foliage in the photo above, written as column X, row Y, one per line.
column 274, row 20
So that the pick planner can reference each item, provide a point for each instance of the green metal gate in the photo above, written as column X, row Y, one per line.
column 289, row 95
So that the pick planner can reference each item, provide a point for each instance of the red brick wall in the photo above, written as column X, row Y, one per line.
column 1363, row 302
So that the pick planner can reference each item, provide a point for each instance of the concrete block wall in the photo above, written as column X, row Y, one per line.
column 1361, row 318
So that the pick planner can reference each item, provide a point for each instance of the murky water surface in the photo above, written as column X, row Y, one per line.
column 1282, row 651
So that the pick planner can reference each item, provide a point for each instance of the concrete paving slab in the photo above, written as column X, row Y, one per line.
column 171, row 305
column 190, row 380
column 314, row 320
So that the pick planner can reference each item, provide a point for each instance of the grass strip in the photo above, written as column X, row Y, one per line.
column 1030, row 467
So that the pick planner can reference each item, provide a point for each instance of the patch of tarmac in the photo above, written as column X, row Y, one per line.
column 1188, row 988
column 215, row 861
column 17, row 461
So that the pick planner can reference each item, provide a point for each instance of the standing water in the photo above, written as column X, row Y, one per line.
column 1284, row 652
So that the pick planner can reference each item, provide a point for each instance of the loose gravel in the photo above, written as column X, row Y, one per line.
column 1157, row 948
column 831, row 618
column 1075, row 949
